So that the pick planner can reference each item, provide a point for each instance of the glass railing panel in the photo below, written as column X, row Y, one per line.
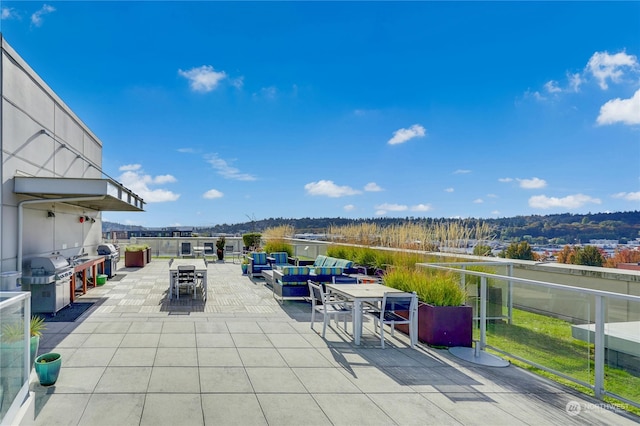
column 622, row 348
column 541, row 330
column 13, row 348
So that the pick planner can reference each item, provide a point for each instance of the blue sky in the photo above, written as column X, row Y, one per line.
column 217, row 112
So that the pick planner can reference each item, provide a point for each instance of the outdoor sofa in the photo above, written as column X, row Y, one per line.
column 291, row 282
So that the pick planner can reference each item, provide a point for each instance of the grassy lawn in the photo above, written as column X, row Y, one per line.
column 547, row 341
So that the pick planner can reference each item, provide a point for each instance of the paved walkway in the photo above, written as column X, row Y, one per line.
column 242, row 358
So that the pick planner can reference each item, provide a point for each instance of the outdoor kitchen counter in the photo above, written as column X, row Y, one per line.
column 93, row 263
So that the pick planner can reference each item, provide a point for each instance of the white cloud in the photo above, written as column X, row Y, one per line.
column 227, row 171
column 203, row 79
column 492, row 196
column 349, row 207
column 186, row 150
column 575, row 81
column 618, row 110
column 8, row 13
column 421, row 208
column 329, row 189
column 270, row 93
column 495, row 212
column 130, row 167
column 552, row 87
column 533, row 183
column 212, row 194
column 461, row 172
column 604, row 67
column 568, row 202
column 384, row 208
column 137, row 181
column 629, row 196
column 36, row 18
column 372, row 187
column 505, row 180
column 403, row 135
column 478, row 201
column 238, row 82
column 162, row 179
column 449, row 190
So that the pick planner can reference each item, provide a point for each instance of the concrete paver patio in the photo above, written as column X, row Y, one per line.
column 243, row 358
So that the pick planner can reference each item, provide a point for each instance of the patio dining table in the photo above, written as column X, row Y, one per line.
column 201, row 269
column 359, row 293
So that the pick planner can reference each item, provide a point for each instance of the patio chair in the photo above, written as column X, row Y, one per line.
column 208, row 250
column 343, row 279
column 278, row 259
column 396, row 308
column 257, row 263
column 186, row 278
column 322, row 302
column 229, row 252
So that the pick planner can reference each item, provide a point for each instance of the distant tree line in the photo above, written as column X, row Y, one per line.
column 558, row 229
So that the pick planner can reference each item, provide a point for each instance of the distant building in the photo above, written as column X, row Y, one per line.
column 172, row 231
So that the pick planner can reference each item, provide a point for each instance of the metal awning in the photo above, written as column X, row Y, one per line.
column 100, row 194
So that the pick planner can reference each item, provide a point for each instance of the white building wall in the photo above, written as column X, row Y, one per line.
column 29, row 106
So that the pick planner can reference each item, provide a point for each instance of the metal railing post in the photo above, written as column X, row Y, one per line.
column 483, row 312
column 510, row 294
column 599, row 347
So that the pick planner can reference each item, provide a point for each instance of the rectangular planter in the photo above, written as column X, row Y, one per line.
column 135, row 259
column 444, row 325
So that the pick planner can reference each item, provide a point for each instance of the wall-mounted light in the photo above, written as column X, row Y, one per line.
column 93, row 220
column 87, row 218
column 50, row 214
column 81, row 219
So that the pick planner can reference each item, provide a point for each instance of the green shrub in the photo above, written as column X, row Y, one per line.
column 407, row 259
column 341, row 252
column 366, row 257
column 273, row 246
column 136, row 247
column 439, row 288
column 252, row 240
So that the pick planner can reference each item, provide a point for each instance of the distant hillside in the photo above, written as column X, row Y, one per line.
column 563, row 228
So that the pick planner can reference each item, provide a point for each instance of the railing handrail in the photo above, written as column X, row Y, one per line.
column 580, row 290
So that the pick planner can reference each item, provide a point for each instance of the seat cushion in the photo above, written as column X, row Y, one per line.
column 295, row 270
column 259, row 258
column 327, row 271
column 319, row 260
column 295, row 275
column 280, row 258
column 343, row 263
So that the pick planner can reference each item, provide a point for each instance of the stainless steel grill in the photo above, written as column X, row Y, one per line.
column 111, row 258
column 48, row 278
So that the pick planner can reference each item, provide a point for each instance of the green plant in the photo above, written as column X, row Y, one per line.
column 136, row 247
column 273, row 246
column 252, row 240
column 220, row 242
column 14, row 332
column 37, row 325
column 366, row 257
column 438, row 288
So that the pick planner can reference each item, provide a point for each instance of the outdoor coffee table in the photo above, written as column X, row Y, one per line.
column 268, row 277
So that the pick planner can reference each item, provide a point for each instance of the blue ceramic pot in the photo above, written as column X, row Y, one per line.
column 47, row 368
